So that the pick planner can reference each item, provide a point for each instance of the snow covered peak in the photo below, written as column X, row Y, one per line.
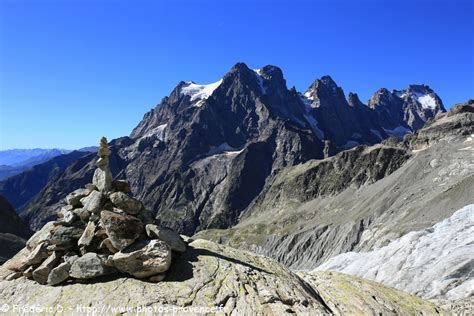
column 199, row 92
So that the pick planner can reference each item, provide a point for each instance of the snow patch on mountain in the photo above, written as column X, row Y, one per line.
column 200, row 92
column 427, row 101
column 435, row 262
column 258, row 74
column 158, row 131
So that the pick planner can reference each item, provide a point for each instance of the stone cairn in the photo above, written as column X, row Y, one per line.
column 102, row 231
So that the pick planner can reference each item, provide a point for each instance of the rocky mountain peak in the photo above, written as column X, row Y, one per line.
column 325, row 92
column 353, row 100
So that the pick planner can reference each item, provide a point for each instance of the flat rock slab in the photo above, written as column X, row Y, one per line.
column 208, row 275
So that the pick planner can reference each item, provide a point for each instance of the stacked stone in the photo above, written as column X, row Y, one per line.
column 101, row 231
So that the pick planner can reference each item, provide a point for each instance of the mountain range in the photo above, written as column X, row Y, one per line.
column 303, row 177
column 206, row 152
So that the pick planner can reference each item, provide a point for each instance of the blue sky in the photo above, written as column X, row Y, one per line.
column 72, row 71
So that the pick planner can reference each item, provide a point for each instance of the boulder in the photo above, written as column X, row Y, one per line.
column 144, row 259
column 121, row 186
column 102, row 179
column 87, row 235
column 83, row 214
column 93, row 202
column 74, row 198
column 42, row 235
column 122, row 230
column 37, row 255
column 126, row 203
column 64, row 236
column 90, row 265
column 41, row 273
column 172, row 238
column 59, row 274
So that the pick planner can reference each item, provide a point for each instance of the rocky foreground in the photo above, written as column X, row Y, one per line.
column 210, row 275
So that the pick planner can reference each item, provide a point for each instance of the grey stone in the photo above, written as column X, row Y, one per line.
column 144, row 259
column 122, row 230
column 172, row 238
column 74, row 198
column 82, row 213
column 126, row 203
column 93, row 202
column 87, row 235
column 41, row 273
column 102, row 179
column 37, row 255
column 89, row 266
column 42, row 235
column 28, row 273
column 59, row 274
column 121, row 186
column 65, row 236
column 107, row 244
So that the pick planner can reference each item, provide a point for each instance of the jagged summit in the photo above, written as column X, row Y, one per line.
column 200, row 157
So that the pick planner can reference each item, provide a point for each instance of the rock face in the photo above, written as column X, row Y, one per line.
column 201, row 157
column 80, row 247
column 306, row 216
column 233, row 281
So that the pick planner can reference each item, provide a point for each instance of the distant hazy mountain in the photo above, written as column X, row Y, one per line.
column 15, row 161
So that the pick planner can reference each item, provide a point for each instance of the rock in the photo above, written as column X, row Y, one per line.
column 91, row 187
column 41, row 273
column 82, row 213
column 101, row 233
column 64, row 210
column 74, row 198
column 59, row 274
column 122, row 230
column 124, row 202
column 121, row 186
column 65, row 236
column 42, row 235
column 18, row 261
column 144, row 259
column 28, row 273
column 13, row 276
column 93, row 202
column 107, row 244
column 37, row 255
column 209, row 274
column 157, row 278
column 69, row 217
column 89, row 266
column 102, row 179
column 87, row 235
column 167, row 235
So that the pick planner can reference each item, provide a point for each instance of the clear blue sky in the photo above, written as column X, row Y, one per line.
column 72, row 71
